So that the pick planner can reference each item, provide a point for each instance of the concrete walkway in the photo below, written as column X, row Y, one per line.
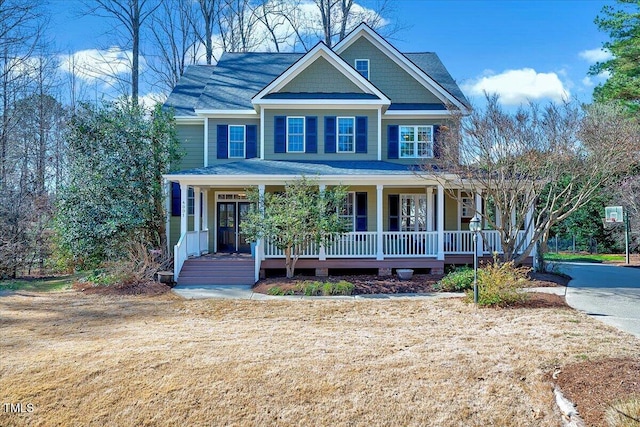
column 245, row 292
column 606, row 292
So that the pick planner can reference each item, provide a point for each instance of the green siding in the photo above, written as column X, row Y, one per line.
column 372, row 135
column 388, row 76
column 321, row 76
column 404, row 122
column 191, row 138
column 213, row 137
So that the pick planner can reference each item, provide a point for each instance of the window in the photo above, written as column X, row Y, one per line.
column 413, row 212
column 416, row 141
column 346, row 134
column 468, row 207
column 362, row 66
column 295, row 134
column 347, row 212
column 236, row 141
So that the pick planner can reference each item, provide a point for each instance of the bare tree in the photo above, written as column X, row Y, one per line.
column 237, row 25
column 175, row 41
column 204, row 23
column 132, row 14
column 553, row 158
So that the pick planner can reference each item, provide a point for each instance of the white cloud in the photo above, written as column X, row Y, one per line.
column 104, row 65
column 519, row 86
column 595, row 55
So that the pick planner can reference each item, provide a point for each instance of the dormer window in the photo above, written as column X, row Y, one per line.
column 362, row 66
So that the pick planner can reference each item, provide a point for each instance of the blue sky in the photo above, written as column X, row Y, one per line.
column 539, row 50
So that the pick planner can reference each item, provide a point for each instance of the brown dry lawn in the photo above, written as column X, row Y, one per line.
column 106, row 361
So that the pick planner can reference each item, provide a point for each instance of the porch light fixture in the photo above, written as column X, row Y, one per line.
column 475, row 227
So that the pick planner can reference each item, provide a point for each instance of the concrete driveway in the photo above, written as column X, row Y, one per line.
column 608, row 293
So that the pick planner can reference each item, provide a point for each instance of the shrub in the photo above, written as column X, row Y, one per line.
column 500, row 285
column 343, row 288
column 276, row 290
column 315, row 288
column 460, row 279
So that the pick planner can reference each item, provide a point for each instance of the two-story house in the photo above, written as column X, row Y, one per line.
column 361, row 114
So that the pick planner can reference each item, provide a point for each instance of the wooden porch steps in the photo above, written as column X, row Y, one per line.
column 217, row 271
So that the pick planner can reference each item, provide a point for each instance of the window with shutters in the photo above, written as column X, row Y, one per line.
column 416, row 142
column 295, row 134
column 346, row 135
column 347, row 212
column 237, row 139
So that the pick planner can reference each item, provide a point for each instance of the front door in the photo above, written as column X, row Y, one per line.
column 229, row 218
column 227, row 226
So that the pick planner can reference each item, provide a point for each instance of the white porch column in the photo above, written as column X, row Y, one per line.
column 379, row 228
column 480, row 247
column 440, row 222
column 196, row 210
column 430, row 212
column 205, row 216
column 459, row 194
column 322, row 254
column 261, row 244
column 184, row 203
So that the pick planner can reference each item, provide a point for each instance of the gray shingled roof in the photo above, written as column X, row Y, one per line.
column 433, row 67
column 237, row 77
column 308, row 168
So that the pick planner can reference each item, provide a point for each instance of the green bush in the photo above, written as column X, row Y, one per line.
column 276, row 290
column 500, row 284
column 458, row 280
column 315, row 288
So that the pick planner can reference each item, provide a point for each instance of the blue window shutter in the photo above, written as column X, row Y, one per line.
column 280, row 134
column 252, row 142
column 436, row 141
column 223, row 141
column 361, row 134
column 330, row 134
column 175, row 199
column 393, row 136
column 361, row 211
column 394, row 212
column 311, row 129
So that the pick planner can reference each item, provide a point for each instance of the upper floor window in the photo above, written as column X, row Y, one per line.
column 416, row 141
column 362, row 66
column 295, row 134
column 346, row 134
column 236, row 141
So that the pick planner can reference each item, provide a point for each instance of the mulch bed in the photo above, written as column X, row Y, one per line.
column 596, row 384
column 148, row 288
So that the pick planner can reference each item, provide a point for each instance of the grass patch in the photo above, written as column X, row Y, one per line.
column 594, row 258
column 47, row 284
column 624, row 414
column 88, row 360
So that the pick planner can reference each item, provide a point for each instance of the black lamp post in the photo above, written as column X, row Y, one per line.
column 475, row 226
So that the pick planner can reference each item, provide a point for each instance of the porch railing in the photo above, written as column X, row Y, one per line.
column 360, row 244
column 409, row 243
column 395, row 244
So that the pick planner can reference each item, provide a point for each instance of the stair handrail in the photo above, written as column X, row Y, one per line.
column 179, row 256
